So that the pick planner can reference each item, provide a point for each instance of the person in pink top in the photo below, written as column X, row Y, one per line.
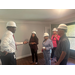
column 55, row 38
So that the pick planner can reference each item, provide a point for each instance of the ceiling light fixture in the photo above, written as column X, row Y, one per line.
column 60, row 11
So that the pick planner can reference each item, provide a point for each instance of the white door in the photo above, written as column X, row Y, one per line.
column 47, row 29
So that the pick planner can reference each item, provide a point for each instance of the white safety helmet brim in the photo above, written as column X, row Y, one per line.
column 54, row 29
column 46, row 35
column 11, row 24
column 62, row 26
column 33, row 32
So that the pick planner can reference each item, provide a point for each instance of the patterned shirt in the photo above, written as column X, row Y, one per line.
column 48, row 44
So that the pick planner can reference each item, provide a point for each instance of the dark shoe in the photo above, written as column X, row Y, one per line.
column 36, row 63
column 31, row 62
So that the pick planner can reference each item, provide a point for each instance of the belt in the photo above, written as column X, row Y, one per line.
column 13, row 53
column 3, row 53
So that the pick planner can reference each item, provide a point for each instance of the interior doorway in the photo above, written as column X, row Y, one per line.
column 47, row 29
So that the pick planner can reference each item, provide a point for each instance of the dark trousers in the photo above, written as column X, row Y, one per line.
column 34, row 52
column 53, row 52
column 64, row 62
column 8, row 59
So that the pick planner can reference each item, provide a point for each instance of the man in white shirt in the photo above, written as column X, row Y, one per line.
column 8, row 45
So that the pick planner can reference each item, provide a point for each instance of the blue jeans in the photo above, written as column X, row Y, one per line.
column 47, row 56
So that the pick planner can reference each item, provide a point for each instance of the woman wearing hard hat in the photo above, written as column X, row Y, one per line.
column 47, row 46
column 33, row 45
column 63, row 48
column 55, row 38
column 8, row 45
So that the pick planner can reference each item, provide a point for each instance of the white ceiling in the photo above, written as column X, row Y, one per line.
column 35, row 14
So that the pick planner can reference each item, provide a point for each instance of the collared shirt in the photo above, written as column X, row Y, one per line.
column 54, row 40
column 8, row 42
column 63, row 45
column 48, row 44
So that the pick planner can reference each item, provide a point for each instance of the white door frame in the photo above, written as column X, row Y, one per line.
column 48, row 27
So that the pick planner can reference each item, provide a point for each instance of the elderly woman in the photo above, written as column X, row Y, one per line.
column 47, row 46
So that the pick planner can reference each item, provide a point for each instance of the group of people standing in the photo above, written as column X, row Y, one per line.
column 59, row 44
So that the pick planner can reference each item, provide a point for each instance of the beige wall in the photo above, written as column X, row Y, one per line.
column 24, row 30
column 2, row 29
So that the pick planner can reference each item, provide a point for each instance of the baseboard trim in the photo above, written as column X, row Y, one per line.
column 26, row 56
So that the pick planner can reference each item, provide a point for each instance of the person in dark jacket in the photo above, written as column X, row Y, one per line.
column 33, row 46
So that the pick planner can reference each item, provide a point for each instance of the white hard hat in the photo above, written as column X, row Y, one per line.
column 11, row 24
column 54, row 29
column 62, row 26
column 34, row 32
column 46, row 34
